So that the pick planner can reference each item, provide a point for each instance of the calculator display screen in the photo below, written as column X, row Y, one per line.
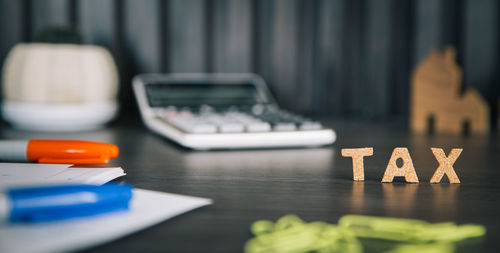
column 194, row 94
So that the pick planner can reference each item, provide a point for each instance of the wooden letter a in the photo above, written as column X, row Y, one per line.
column 407, row 170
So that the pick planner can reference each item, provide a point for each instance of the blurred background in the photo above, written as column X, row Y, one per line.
column 341, row 58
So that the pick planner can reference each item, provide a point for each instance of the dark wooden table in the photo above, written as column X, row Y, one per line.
column 315, row 183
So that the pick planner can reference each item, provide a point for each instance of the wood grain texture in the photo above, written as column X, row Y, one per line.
column 96, row 22
column 49, row 13
column 12, row 23
column 378, row 61
column 232, row 36
column 402, row 54
column 481, row 47
column 330, row 93
column 284, row 53
column 429, row 28
column 315, row 184
column 142, row 35
column 264, row 12
column 321, row 57
column 307, row 58
column 355, row 94
column 186, row 35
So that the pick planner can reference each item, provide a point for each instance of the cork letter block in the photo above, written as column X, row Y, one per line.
column 357, row 155
column 446, row 165
column 407, row 170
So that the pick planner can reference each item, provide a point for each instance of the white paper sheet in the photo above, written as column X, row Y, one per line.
column 20, row 174
column 147, row 209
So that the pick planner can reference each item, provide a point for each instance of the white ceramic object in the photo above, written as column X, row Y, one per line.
column 59, row 87
column 60, row 117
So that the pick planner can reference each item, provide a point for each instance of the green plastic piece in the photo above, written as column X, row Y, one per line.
column 424, row 248
column 408, row 230
column 291, row 234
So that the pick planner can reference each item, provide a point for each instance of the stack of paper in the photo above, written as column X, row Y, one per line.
column 146, row 209
column 26, row 174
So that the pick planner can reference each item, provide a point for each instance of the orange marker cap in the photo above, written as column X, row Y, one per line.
column 70, row 151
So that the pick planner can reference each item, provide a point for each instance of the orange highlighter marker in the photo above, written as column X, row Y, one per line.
column 58, row 151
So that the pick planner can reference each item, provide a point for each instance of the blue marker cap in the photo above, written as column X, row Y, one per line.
column 50, row 203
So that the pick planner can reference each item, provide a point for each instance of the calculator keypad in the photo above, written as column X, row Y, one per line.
column 259, row 118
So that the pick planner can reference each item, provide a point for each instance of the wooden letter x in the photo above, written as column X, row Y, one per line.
column 446, row 165
column 357, row 155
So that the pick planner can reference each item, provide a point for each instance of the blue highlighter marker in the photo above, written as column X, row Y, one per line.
column 52, row 203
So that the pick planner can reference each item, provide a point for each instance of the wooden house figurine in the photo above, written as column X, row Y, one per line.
column 437, row 102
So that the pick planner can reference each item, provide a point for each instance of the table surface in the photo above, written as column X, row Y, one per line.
column 314, row 183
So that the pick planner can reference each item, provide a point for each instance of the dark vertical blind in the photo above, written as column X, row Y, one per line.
column 322, row 57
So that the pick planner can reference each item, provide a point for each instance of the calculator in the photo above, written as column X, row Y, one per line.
column 222, row 111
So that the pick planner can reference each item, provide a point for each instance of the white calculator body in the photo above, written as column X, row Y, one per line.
column 222, row 111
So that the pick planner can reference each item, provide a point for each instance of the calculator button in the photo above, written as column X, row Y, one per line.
column 171, row 108
column 258, row 127
column 258, row 109
column 231, row 128
column 196, row 128
column 191, row 124
column 284, row 126
column 310, row 125
column 206, row 109
column 203, row 129
column 233, row 120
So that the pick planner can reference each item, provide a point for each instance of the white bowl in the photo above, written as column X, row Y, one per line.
column 58, row 117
